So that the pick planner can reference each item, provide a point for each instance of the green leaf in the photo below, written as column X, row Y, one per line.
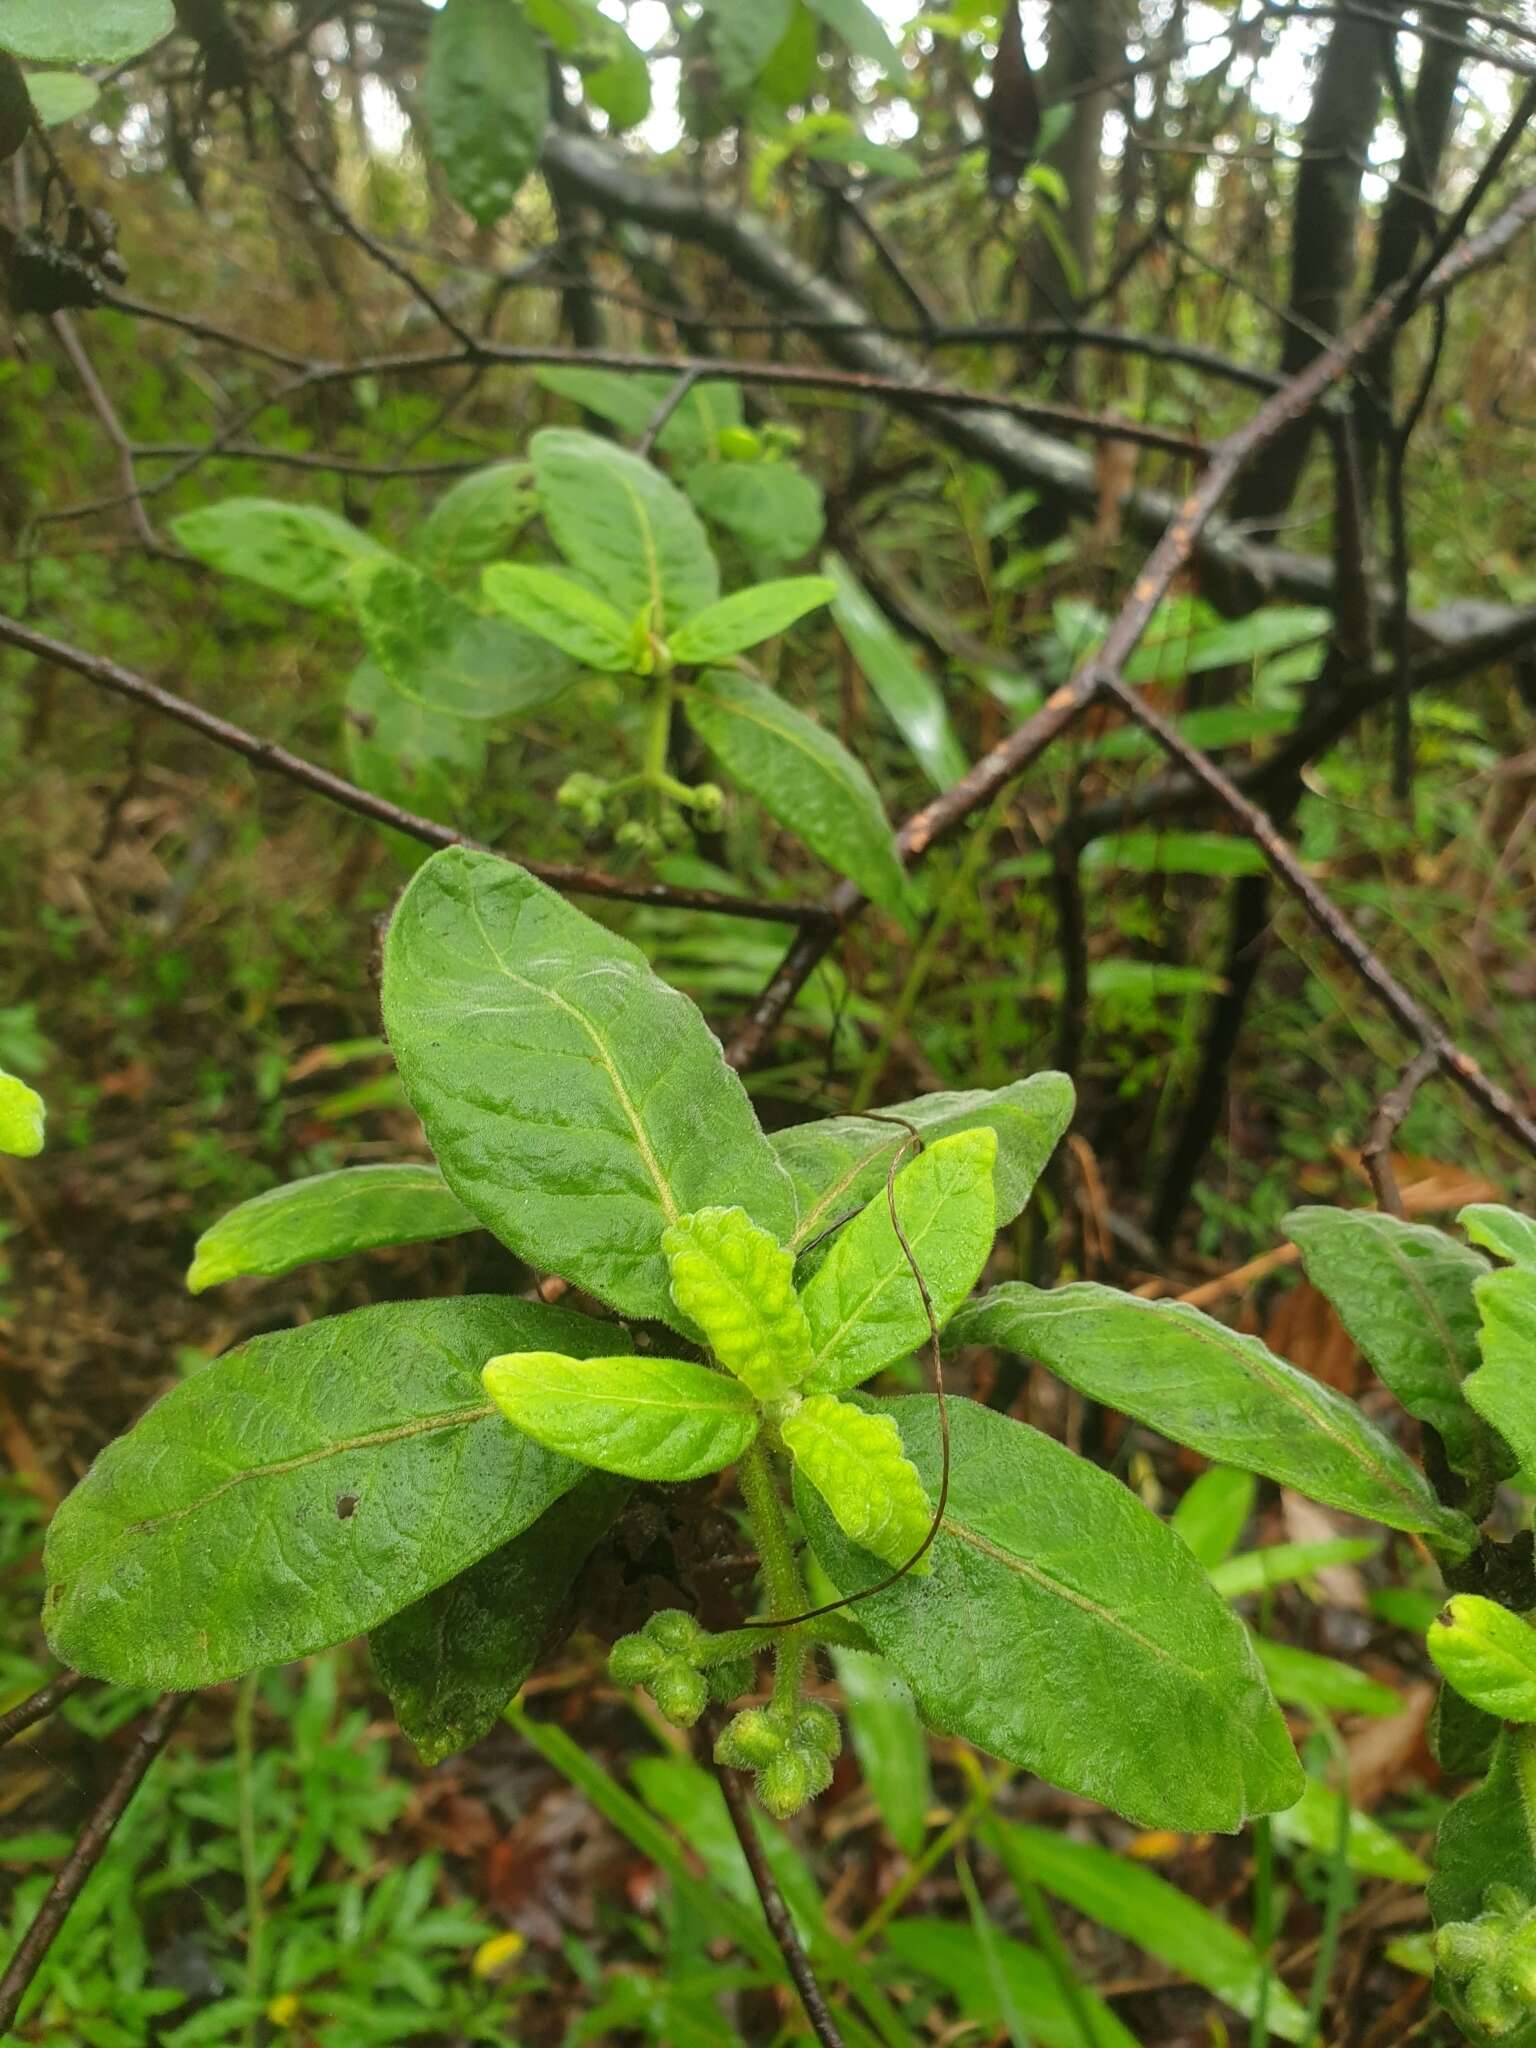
column 1174, row 853
column 743, row 35
column 1403, row 1291
column 862, row 1302
column 1488, row 1654
column 621, row 87
column 59, row 96
column 774, row 509
column 748, row 616
column 1322, row 1684
column 1224, row 1394
column 1504, row 1232
column 951, row 1955
column 301, row 551
column 1153, row 1915
column 476, row 521
column 647, row 1418
column 300, row 1490
column 83, row 31
column 802, row 776
column 1502, row 1389
column 487, row 98
column 860, row 28
column 910, row 695
column 445, row 656
column 840, row 1163
column 402, row 749
column 889, row 1742
column 576, row 620
column 631, row 402
column 620, row 523
column 575, row 1103
column 22, row 1117
column 1282, row 1564
column 1489, row 1835
column 357, row 1209
column 1212, row 1515
column 451, row 1661
column 856, row 1463
column 1460, row 1736
column 1370, row 1849
column 1106, row 1663
column 1170, row 656
column 736, row 1284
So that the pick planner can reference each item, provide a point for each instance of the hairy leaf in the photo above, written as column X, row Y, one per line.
column 1502, row 1390
column 476, row 521
column 840, row 1163
column 863, row 1304
column 451, row 1661
column 83, row 31
column 772, row 508
column 1403, row 1291
column 856, row 1463
column 1488, row 1654
column 1504, row 1232
column 302, row 552
column 1222, row 1393
column 564, row 612
column 357, row 1209
column 736, row 1284
column 647, row 1418
column 748, row 616
column 299, row 1490
column 802, row 776
column 487, row 98
column 618, row 521
column 910, row 695
column 1489, row 1835
column 1068, row 1630
column 449, row 658
column 22, row 1117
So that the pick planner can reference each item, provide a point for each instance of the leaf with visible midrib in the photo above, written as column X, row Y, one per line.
column 647, row 1418
column 748, row 616
column 1068, row 1630
column 328, row 1216
column 620, row 523
column 1224, row 1394
column 300, row 1490
column 451, row 1661
column 575, row 1103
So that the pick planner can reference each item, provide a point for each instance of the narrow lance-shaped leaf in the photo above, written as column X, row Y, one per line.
column 1222, row 1393
column 647, row 1418
column 22, row 1118
column 889, row 1742
column 748, row 616
column 300, row 1490
column 856, row 1463
column 1106, row 1663
column 802, row 776
column 1008, row 1975
column 437, row 650
column 575, row 1103
column 909, row 694
column 1403, row 1291
column 1213, row 1513
column 328, row 1216
column 620, row 522
column 1488, row 1654
column 487, row 98
column 564, row 612
column 736, row 1284
column 451, row 1661
column 863, row 1304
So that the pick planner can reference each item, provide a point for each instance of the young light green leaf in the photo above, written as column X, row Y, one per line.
column 328, row 1216
column 1502, row 1390
column 647, row 1418
column 401, row 748
column 1504, row 1232
column 439, row 652
column 1107, row 1665
column 1370, row 1849
column 889, row 1742
column 83, row 31
column 302, row 552
column 619, row 522
column 1282, row 1564
column 1488, row 1654
column 1222, row 1393
column 1152, row 1914
column 910, row 695
column 840, row 1163
column 487, row 98
column 863, row 1304
column 451, row 1661
column 22, row 1117
column 564, row 612
column 1489, row 1835
column 736, row 1284
column 1403, row 1291
column 59, row 96
column 476, row 521
column 1213, row 1512
column 856, row 1463
column 1322, row 1684
column 748, row 616
column 802, row 776
column 772, row 508
column 575, row 1103
column 300, row 1490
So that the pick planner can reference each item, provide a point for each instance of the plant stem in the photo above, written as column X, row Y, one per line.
column 658, row 735
column 782, row 1580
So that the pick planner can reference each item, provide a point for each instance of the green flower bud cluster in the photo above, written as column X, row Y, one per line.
column 585, row 795
column 592, row 799
column 670, row 1658
column 789, row 1749
column 1491, row 1961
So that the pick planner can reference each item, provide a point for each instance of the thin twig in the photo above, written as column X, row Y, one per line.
column 147, row 1742
column 39, row 1705
column 1376, row 1152
column 111, row 425
column 682, row 384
